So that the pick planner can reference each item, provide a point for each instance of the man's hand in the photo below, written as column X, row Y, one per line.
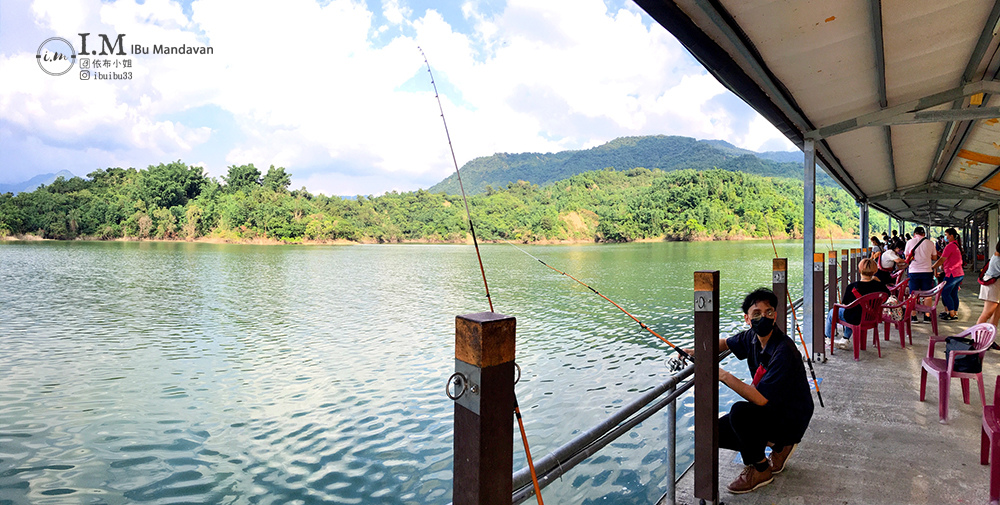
column 724, row 375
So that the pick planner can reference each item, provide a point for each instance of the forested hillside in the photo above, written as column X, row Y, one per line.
column 177, row 201
column 662, row 152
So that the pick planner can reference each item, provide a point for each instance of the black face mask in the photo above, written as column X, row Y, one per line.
column 763, row 326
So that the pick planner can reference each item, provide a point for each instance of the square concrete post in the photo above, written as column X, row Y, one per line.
column 706, row 386
column 779, row 284
column 484, row 429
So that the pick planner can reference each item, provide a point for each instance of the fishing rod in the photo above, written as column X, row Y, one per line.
column 684, row 355
column 472, row 230
column 468, row 214
column 795, row 320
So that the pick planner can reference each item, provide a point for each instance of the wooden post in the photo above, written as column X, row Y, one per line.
column 779, row 284
column 855, row 258
column 820, row 320
column 845, row 269
column 832, row 292
column 484, row 429
column 706, row 386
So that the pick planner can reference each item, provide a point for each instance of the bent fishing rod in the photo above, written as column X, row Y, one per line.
column 472, row 231
column 795, row 320
column 684, row 355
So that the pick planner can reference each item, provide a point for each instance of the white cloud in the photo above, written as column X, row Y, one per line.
column 311, row 90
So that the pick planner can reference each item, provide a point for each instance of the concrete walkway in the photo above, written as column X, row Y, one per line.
column 875, row 442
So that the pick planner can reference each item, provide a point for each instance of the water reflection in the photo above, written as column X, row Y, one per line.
column 175, row 372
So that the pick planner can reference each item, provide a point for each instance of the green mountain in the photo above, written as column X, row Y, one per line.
column 667, row 153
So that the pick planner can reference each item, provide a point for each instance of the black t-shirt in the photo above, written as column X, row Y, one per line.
column 853, row 315
column 782, row 376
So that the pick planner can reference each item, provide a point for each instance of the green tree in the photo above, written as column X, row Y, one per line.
column 244, row 178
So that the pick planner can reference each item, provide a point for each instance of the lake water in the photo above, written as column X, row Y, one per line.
column 203, row 373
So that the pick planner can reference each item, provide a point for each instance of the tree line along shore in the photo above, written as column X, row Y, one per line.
column 175, row 201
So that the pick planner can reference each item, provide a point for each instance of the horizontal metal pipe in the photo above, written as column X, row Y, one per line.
column 525, row 492
column 522, row 477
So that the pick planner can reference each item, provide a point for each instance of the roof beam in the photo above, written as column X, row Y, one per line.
column 939, row 116
column 956, row 137
column 904, row 110
column 768, row 88
column 935, row 191
column 875, row 7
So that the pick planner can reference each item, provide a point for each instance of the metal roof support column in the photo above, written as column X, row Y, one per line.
column 863, row 216
column 808, row 239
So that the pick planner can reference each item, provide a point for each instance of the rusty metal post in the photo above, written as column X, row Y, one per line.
column 706, row 386
column 845, row 269
column 484, row 430
column 820, row 320
column 779, row 284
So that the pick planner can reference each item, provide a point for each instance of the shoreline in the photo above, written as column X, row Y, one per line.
column 345, row 242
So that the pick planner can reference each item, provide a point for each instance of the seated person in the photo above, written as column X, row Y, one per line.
column 867, row 285
column 778, row 403
column 889, row 261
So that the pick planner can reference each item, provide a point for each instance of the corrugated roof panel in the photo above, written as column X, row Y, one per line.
column 820, row 50
column 913, row 147
column 865, row 155
column 931, row 57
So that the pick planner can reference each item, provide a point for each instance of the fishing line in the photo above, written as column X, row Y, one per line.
column 681, row 352
column 468, row 214
column 796, row 321
column 472, row 230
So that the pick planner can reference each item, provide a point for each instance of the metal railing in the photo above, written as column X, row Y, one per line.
column 567, row 456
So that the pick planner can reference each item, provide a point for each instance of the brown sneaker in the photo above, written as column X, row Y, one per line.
column 750, row 479
column 779, row 458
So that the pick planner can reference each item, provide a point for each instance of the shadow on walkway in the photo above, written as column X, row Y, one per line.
column 875, row 442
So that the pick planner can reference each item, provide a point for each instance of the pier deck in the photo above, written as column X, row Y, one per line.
column 875, row 442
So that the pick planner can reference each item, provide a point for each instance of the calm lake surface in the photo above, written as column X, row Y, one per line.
column 203, row 373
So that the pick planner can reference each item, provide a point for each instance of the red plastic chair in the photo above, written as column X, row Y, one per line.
column 902, row 326
column 990, row 444
column 918, row 308
column 983, row 335
column 900, row 288
column 871, row 316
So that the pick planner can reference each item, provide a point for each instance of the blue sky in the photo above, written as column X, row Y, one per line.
column 337, row 92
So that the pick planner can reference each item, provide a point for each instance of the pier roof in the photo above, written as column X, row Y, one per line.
column 900, row 97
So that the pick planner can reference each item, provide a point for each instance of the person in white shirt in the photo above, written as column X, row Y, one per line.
column 921, row 254
column 990, row 295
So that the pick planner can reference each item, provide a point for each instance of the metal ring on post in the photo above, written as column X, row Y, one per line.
column 462, row 380
column 518, row 379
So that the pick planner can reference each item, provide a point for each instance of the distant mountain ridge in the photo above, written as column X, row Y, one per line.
column 668, row 153
column 36, row 181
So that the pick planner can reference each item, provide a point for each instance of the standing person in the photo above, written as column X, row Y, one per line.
column 853, row 291
column 990, row 295
column 777, row 405
column 890, row 260
column 951, row 261
column 920, row 254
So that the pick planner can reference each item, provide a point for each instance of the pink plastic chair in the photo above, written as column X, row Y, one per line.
column 990, row 445
column 900, row 288
column 871, row 316
column 983, row 335
column 919, row 309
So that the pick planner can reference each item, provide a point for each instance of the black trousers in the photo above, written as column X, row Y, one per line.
column 748, row 428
